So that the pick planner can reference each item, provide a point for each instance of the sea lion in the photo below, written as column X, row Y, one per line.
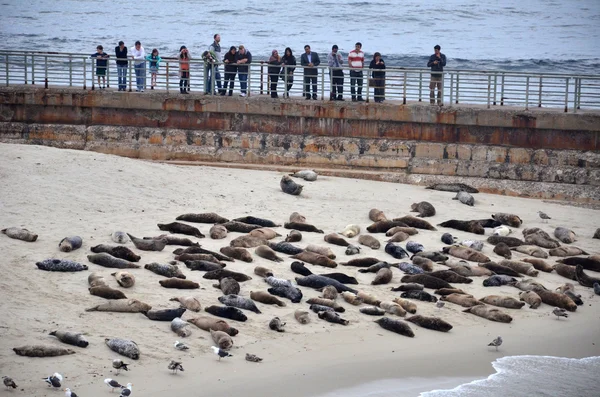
column 106, row 292
column 180, row 327
column 174, row 240
column 326, row 302
column 597, row 234
column 398, row 237
column 367, row 298
column 232, row 313
column 293, row 236
column 164, row 314
column 414, row 247
column 207, row 323
column 303, row 227
column 477, row 245
column 376, row 215
column 415, row 222
column 556, row 300
column 148, row 245
column 396, row 251
column 465, row 226
column 299, row 268
column 125, row 279
column 119, row 237
column 498, row 280
column 528, row 285
column 228, row 286
column 118, row 251
column 180, row 228
column 222, row 339
column 565, row 270
column 500, row 269
column 361, row 262
column 302, row 316
column 106, row 260
column 426, row 280
column 419, row 295
column 203, row 266
column 42, row 350
column 397, row 326
column 424, row 209
column 433, row 255
column 433, row 323
column 329, row 292
column 448, row 291
column 60, row 265
column 407, row 305
column 96, row 280
column 332, row 317
column 307, row 175
column 263, row 271
column 352, row 250
column 278, row 282
column 69, row 244
column 240, row 227
column 451, row 277
column 71, row 338
column 293, row 294
column 266, row 298
column 239, row 302
column 239, row 253
column 574, row 297
column 341, row 277
column 464, row 198
column 297, row 218
column 267, row 253
column 409, row 287
column 121, row 306
column 411, row 231
column 539, row 264
column 372, row 311
column 520, row 267
column 584, row 279
column 200, row 250
column 217, row 232
column 567, row 251
column 508, row 219
column 463, row 268
column 198, row 257
column 586, row 263
column 502, row 301
column 448, row 239
column 461, row 299
column 393, row 308
column 510, row 241
column 276, row 324
column 376, row 267
column 384, row 226
column 264, row 232
column 502, row 230
column 252, row 220
column 424, row 263
column 315, row 259
column 466, row 253
column 333, row 238
column 531, row 298
column 124, row 347
column 189, row 302
column 289, row 186
column 166, row 270
column 352, row 298
column 175, row 282
column 350, row 231
column 285, row 248
column 316, row 281
column 222, row 273
column 20, row 234
column 531, row 250
column 326, row 251
column 453, row 187
column 383, row 276
column 565, row 235
column 205, row 217
column 540, row 240
column 247, row 242
column 490, row 313
column 503, row 250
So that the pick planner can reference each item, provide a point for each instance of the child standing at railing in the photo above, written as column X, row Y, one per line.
column 101, row 64
column 184, row 70
column 154, row 60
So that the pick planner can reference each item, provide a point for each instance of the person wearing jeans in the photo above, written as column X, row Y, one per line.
column 356, row 61
column 244, row 59
column 334, row 60
column 139, row 63
column 121, row 55
column 212, row 69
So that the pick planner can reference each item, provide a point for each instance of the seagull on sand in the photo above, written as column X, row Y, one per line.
column 220, row 352
column 175, row 366
column 558, row 312
column 69, row 393
column 180, row 346
column 496, row 342
column 9, row 382
column 119, row 365
column 597, row 288
column 112, row 384
column 253, row 358
column 126, row 391
column 544, row 216
column 54, row 380
column 440, row 304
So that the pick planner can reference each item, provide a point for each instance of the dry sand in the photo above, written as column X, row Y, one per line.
column 59, row 193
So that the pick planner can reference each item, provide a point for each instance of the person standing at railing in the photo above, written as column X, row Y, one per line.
column 229, row 60
column 334, row 60
column 356, row 61
column 310, row 61
column 377, row 67
column 121, row 55
column 101, row 64
column 273, row 71
column 154, row 60
column 212, row 69
column 184, row 70
column 244, row 58
column 139, row 63
column 436, row 62
column 287, row 71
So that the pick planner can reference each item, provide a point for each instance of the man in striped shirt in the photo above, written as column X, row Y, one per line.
column 356, row 61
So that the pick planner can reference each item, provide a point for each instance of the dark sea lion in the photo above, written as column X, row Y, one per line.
column 206, row 217
column 448, row 239
column 503, row 250
column 164, row 314
column 239, row 302
column 498, row 280
column 520, row 267
column 289, row 186
column 174, row 282
column 419, row 295
column 316, row 281
column 453, row 187
column 69, row 244
column 180, row 228
column 409, row 287
column 315, row 259
column 326, row 302
column 448, row 291
column 376, row 267
column 415, row 222
column 566, row 250
column 284, row 248
column 384, row 226
column 252, row 220
column 433, row 323
column 42, row 351
column 397, row 326
column 396, row 251
column 118, row 251
column 341, row 277
column 229, row 312
column 125, row 279
column 502, row 301
column 264, row 232
column 148, row 245
column 383, row 276
column 203, row 266
column 106, row 292
column 20, row 234
column 508, row 219
column 293, row 294
column 106, row 260
column 499, row 269
column 217, row 232
column 556, row 299
column 266, row 298
column 451, row 277
column 424, row 209
column 71, row 338
column 248, row 242
column 489, row 223
column 332, row 317
column 207, row 323
column 174, row 240
column 293, row 236
column 200, row 250
column 539, row 264
column 531, row 298
column 121, row 306
column 597, row 234
column 228, row 286
column 369, row 241
column 372, row 311
column 584, row 279
column 299, row 268
column 237, row 253
column 267, row 253
column 490, row 313
column 433, row 255
column 222, row 273
column 60, row 265
column 465, row 226
column 586, row 263
column 303, row 227
column 124, row 347
column 466, row 254
column 426, row 281
column 166, row 270
column 566, row 271
column 333, row 238
column 376, row 215
column 361, row 262
column 326, row 251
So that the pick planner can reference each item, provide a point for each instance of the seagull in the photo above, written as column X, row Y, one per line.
column 69, row 393
column 126, row 391
column 9, row 382
column 54, row 380
column 253, row 357
column 558, row 312
column 220, row 352
column 496, row 342
column 180, row 346
column 175, row 366
column 544, row 216
column 119, row 365
column 112, row 384
column 597, row 288
column 440, row 304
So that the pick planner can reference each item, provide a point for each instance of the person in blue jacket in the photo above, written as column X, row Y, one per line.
column 154, row 60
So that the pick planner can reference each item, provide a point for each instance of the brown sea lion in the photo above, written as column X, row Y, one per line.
column 531, row 250
column 264, row 232
column 125, row 279
column 206, row 217
column 326, row 302
column 42, row 351
column 499, row 269
column 433, row 255
column 424, row 263
column 262, row 272
column 507, row 219
column 465, row 226
column 369, row 241
column 20, row 234
column 502, row 301
column 531, row 298
column 426, row 280
column 383, row 276
column 368, row 299
column 107, row 292
column 207, row 323
column 528, row 285
column 217, row 232
column 189, row 302
column 503, row 250
column 297, row 218
column 567, row 251
column 200, row 250
column 239, row 253
column 266, row 298
column 510, row 241
column 198, row 257
column 539, row 264
column 203, row 266
column 411, row 231
column 384, row 226
column 584, row 279
column 376, row 215
column 520, row 267
column 333, row 238
column 565, row 270
column 174, row 282
column 265, row 252
column 424, row 209
column 398, row 237
column 413, row 221
column 451, row 277
column 166, row 270
column 466, row 253
column 461, row 299
column 555, row 299
column 433, row 323
column 351, row 298
column 247, row 242
column 121, row 306
column 293, row 236
column 174, row 240
column 222, row 339
column 407, row 305
column 239, row 227
column 326, row 251
column 490, row 313
column 393, row 308
column 180, row 228
column 315, row 259
column 409, row 287
column 253, row 220
column 302, row 316
column 463, row 268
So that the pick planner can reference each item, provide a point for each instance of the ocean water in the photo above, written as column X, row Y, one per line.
column 533, row 35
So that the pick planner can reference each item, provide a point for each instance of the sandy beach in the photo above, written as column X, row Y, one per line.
column 57, row 193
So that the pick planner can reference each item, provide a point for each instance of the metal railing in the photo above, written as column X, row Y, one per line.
column 568, row 92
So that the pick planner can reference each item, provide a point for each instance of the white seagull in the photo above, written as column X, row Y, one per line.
column 180, row 346
column 220, row 352
column 112, row 384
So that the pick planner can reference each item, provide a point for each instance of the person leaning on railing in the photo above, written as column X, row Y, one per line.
column 230, row 69
column 436, row 62
column 121, row 55
column 273, row 70
column 377, row 67
column 101, row 64
column 287, row 71
column 184, row 70
column 244, row 58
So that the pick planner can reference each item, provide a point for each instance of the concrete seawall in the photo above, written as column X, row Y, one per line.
column 543, row 153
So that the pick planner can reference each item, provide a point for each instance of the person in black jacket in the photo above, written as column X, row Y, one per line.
column 377, row 67
column 436, row 62
column 230, row 69
column 288, row 61
column 309, row 60
column 273, row 70
column 122, row 63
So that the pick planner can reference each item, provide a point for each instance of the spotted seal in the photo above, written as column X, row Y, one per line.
column 285, row 248
column 293, row 236
column 383, row 276
column 419, row 295
column 502, row 301
column 293, row 294
column 166, row 270
column 60, row 265
column 119, row 237
column 332, row 317
column 307, row 175
column 508, row 219
column 124, row 347
column 200, row 265
column 490, row 313
column 316, row 281
column 415, row 222
column 228, row 286
column 252, row 220
column 180, row 228
column 433, row 323
column 181, row 327
column 424, row 209
column 42, row 351
column 232, row 313
column 217, row 232
column 239, row 302
column 289, row 186
column 302, row 316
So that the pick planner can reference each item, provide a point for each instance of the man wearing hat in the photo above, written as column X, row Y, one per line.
column 436, row 62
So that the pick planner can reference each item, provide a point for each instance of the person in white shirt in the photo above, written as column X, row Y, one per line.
column 139, row 63
column 356, row 61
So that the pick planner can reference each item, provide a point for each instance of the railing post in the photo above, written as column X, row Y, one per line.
column 84, row 74
column 443, row 88
column 540, row 94
column 578, row 97
column 212, row 78
column 457, row 86
column 567, row 95
column 527, row 94
column 92, row 74
column 248, row 80
column 70, row 71
column 495, row 88
column 107, row 74
column 46, row 71
column 420, row 86
column 451, row 87
column 369, row 88
column 262, row 71
column 502, row 90
column 25, row 69
column 129, row 64
column 32, row 69
column 404, row 90
column 489, row 90
column 7, row 73
column 167, row 75
column 322, row 84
